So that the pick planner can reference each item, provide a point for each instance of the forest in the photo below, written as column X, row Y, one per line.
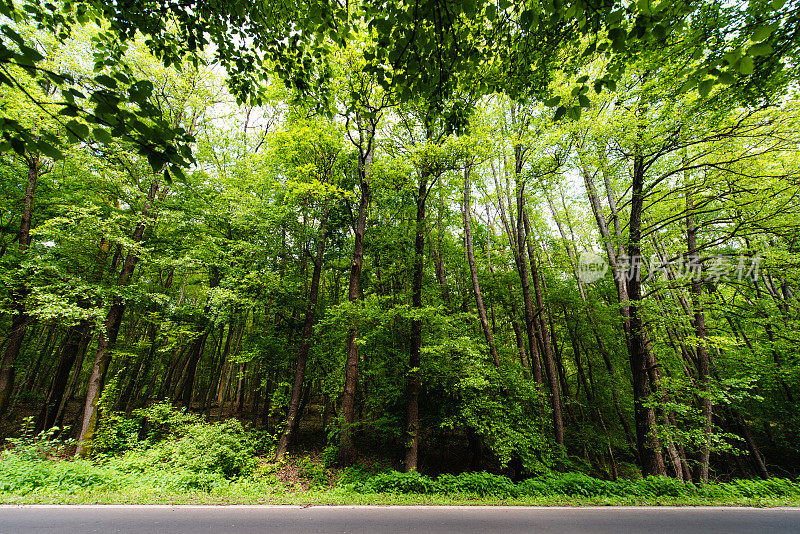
column 445, row 237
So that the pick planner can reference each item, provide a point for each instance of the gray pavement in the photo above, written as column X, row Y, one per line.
column 389, row 519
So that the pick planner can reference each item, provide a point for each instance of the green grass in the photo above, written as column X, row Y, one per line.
column 173, row 458
column 242, row 494
column 51, row 481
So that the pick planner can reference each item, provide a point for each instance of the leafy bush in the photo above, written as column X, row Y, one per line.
column 580, row 484
column 314, row 473
column 773, row 487
column 478, row 483
column 223, row 449
column 116, row 433
column 661, row 487
column 119, row 432
column 161, row 420
column 30, row 446
column 396, row 482
column 20, row 475
column 562, row 484
column 354, row 476
column 533, row 487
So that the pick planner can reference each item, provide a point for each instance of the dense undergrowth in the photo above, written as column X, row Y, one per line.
column 163, row 455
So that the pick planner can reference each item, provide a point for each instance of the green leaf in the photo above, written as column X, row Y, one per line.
column 18, row 145
column 559, row 113
column 763, row 32
column 107, row 81
column 552, row 102
column 705, row 87
column 30, row 54
column 726, row 78
column 101, row 135
column 77, row 129
column 760, row 49
column 49, row 150
column 687, row 86
column 746, row 66
column 733, row 57
column 155, row 161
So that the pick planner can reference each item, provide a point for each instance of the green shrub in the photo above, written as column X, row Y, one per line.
column 30, row 446
column 580, row 485
column 715, row 491
column 207, row 454
column 396, row 482
column 116, row 433
column 659, row 486
column 478, row 483
column 773, row 487
column 314, row 473
column 162, row 420
column 119, row 432
column 20, row 476
column 354, row 476
column 533, row 487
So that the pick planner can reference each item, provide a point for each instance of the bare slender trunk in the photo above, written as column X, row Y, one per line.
column 549, row 364
column 412, row 378
column 703, row 358
column 20, row 320
column 302, row 357
column 346, row 452
column 476, row 288
column 108, row 337
column 641, row 360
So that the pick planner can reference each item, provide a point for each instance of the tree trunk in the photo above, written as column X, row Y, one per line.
column 108, row 337
column 412, row 377
column 549, row 364
column 703, row 358
column 647, row 441
column 20, row 320
column 305, row 344
column 69, row 353
column 476, row 288
column 346, row 452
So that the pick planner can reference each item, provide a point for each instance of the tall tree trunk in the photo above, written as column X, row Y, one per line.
column 185, row 389
column 522, row 270
column 108, row 336
column 549, row 364
column 69, row 353
column 640, row 357
column 20, row 320
column 70, row 390
column 522, row 267
column 414, row 360
column 346, row 452
column 703, row 358
column 302, row 357
column 476, row 288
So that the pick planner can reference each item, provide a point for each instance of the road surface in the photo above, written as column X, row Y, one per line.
column 391, row 519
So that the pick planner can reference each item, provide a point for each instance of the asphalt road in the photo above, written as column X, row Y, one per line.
column 388, row 519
